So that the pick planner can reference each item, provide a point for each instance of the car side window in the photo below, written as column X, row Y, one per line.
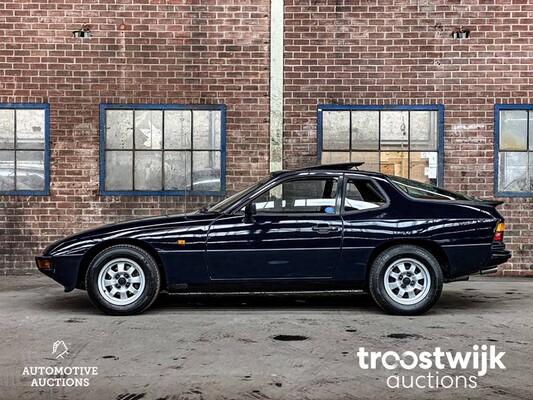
column 362, row 195
column 299, row 196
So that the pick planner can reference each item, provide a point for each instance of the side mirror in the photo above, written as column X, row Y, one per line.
column 249, row 212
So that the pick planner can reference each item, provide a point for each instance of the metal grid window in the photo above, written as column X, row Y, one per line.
column 162, row 150
column 24, row 149
column 398, row 140
column 513, row 156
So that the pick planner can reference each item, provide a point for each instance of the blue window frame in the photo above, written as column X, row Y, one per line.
column 399, row 140
column 148, row 149
column 24, row 149
column 513, row 150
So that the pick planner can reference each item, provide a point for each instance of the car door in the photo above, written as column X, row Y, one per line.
column 295, row 233
column 367, row 224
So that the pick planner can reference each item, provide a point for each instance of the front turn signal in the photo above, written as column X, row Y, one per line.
column 498, row 235
column 44, row 263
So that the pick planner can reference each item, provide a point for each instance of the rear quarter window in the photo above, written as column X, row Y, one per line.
column 362, row 195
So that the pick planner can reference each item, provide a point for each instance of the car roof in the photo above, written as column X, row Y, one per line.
column 342, row 167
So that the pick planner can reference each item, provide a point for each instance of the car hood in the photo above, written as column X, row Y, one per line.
column 142, row 229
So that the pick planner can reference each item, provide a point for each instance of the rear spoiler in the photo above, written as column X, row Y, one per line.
column 494, row 203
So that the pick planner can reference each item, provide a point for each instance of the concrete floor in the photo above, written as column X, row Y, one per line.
column 224, row 347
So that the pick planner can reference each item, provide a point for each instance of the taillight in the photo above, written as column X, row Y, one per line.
column 498, row 235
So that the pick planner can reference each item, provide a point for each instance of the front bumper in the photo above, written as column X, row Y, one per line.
column 498, row 255
column 62, row 269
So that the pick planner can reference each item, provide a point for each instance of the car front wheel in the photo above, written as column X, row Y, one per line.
column 123, row 280
column 405, row 280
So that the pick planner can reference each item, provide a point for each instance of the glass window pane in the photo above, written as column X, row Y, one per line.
column 336, row 130
column 148, row 129
column 530, row 172
column 362, row 195
column 424, row 128
column 178, row 129
column 206, row 129
column 119, row 170
column 7, row 128
column 30, row 129
column 7, row 170
column 335, row 157
column 423, row 166
column 394, row 130
column 148, row 170
column 370, row 159
column 421, row 190
column 315, row 196
column 142, row 131
column 513, row 130
column 395, row 163
column 531, row 130
column 365, row 130
column 30, row 170
column 400, row 132
column 513, row 174
column 177, row 170
column 119, row 129
column 206, row 171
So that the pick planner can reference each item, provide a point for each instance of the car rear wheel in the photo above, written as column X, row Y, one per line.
column 405, row 280
column 123, row 280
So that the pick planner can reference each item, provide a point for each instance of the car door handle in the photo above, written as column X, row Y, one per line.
column 325, row 228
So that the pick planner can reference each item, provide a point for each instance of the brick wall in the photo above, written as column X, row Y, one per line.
column 142, row 51
column 191, row 52
column 401, row 52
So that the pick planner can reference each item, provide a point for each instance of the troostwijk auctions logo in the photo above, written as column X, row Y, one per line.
column 59, row 376
column 480, row 360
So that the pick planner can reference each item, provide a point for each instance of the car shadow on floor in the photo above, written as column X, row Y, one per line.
column 451, row 301
column 463, row 300
column 265, row 302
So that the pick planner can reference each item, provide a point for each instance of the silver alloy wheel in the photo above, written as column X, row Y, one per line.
column 121, row 281
column 407, row 281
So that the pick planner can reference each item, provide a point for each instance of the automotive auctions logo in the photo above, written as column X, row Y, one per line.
column 481, row 359
column 59, row 376
column 59, row 348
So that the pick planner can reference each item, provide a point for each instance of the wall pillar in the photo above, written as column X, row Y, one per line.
column 276, row 85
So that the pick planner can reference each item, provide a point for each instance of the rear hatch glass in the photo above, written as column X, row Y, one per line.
column 420, row 190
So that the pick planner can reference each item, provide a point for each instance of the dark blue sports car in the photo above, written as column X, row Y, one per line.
column 328, row 227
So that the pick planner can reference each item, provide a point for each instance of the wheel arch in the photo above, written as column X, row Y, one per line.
column 428, row 245
column 93, row 251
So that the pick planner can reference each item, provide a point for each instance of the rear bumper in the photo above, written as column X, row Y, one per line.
column 466, row 260
column 63, row 269
column 498, row 255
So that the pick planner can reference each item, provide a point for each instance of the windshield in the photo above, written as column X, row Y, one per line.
column 219, row 207
column 421, row 190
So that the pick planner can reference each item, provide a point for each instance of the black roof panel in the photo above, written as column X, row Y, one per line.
column 329, row 167
column 341, row 166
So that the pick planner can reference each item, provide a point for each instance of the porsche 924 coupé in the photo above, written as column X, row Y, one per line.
column 322, row 228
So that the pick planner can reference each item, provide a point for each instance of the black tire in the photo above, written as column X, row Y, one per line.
column 392, row 300
column 129, row 257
